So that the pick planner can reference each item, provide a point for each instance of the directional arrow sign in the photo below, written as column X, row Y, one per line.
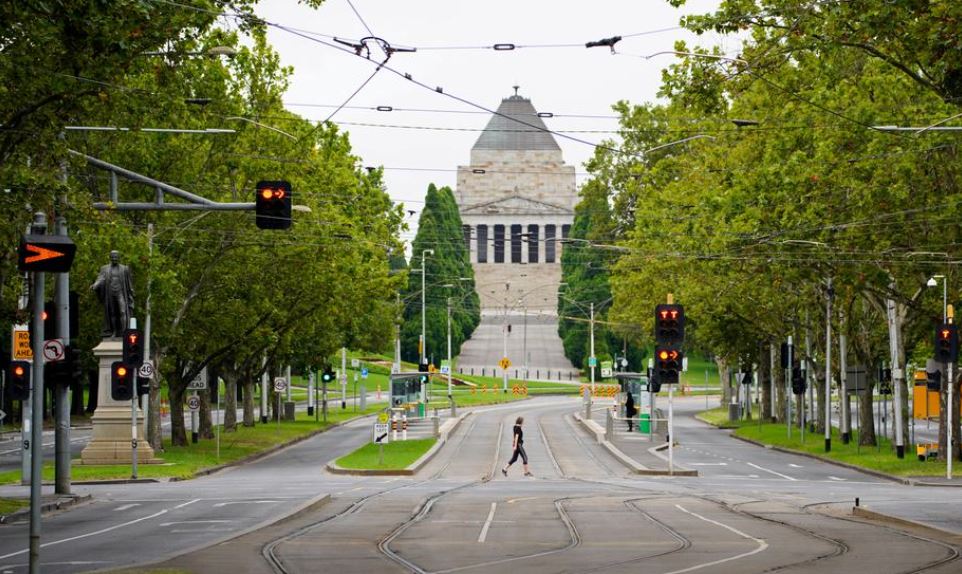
column 50, row 253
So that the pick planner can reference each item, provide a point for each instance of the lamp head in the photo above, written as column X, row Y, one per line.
column 932, row 282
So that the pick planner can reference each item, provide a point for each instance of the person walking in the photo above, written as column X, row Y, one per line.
column 517, row 446
column 630, row 410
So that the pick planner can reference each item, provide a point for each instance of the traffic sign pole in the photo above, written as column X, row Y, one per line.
column 62, row 391
column 36, row 462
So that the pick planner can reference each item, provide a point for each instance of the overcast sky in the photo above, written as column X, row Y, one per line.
column 561, row 80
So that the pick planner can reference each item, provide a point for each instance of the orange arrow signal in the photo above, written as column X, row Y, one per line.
column 41, row 253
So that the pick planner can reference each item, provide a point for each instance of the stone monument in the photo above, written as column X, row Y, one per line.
column 113, row 420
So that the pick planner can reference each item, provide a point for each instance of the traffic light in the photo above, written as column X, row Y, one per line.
column 19, row 380
column 668, row 365
column 134, row 348
column 143, row 385
column 798, row 381
column 65, row 371
column 654, row 386
column 423, row 369
column 272, row 205
column 50, row 318
column 121, row 381
column 669, row 325
column 947, row 343
column 327, row 376
column 933, row 380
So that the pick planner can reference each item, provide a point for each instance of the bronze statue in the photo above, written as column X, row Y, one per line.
column 115, row 289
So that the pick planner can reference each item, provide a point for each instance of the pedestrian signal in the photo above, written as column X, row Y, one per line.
column 669, row 325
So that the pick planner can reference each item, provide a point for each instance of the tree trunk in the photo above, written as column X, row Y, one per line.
column 230, row 399
column 765, row 379
column 866, row 416
column 178, row 431
column 248, row 387
column 778, row 379
column 726, row 389
column 207, row 395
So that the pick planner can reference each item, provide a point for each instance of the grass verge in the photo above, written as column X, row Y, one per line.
column 881, row 458
column 11, row 505
column 397, row 455
column 184, row 462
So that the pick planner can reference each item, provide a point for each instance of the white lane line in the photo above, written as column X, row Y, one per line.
column 707, row 464
column 762, row 545
column 126, row 507
column 188, row 503
column 194, row 522
column 87, row 535
column 785, row 476
column 835, row 478
column 795, row 465
column 487, row 523
column 220, row 504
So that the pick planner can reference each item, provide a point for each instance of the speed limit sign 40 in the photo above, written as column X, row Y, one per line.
column 146, row 370
column 193, row 402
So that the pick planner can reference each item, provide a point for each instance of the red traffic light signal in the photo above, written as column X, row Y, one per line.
column 19, row 380
column 272, row 205
column 121, row 382
column 947, row 343
column 669, row 325
column 133, row 348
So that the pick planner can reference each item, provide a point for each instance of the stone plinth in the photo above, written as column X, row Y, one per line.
column 112, row 434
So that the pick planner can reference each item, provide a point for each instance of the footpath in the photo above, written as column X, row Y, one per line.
column 644, row 451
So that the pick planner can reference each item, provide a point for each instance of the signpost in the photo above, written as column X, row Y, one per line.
column 21, row 343
column 606, row 369
column 193, row 403
column 280, row 385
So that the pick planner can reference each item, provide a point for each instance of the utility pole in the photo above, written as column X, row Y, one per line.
column 524, row 344
column 504, row 336
column 62, row 391
column 37, row 394
column 591, row 359
column 344, row 378
column 264, row 392
column 449, row 349
column 829, row 295
column 788, row 390
column 949, row 313
column 396, row 367
column 845, row 425
column 897, row 373
column 424, row 340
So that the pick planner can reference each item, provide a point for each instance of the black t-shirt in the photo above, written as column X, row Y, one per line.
column 519, row 433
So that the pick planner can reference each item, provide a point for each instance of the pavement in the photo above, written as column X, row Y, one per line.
column 486, row 347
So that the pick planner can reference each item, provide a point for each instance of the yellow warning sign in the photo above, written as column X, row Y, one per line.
column 21, row 345
column 382, row 418
column 505, row 363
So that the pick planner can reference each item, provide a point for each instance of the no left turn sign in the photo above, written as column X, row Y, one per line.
column 53, row 350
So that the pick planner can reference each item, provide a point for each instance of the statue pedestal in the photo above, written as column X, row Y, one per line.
column 112, row 435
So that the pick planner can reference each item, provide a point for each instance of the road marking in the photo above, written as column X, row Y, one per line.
column 87, row 535
column 188, row 503
column 785, row 476
column 835, row 478
column 762, row 545
column 513, row 500
column 487, row 523
column 795, row 465
column 707, row 464
column 736, row 476
column 220, row 504
column 194, row 522
column 126, row 507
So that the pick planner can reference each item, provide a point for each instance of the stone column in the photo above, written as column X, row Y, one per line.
column 111, row 442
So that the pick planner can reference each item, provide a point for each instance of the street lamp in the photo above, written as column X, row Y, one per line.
column 932, row 282
column 424, row 340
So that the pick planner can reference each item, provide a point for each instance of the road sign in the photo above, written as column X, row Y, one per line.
column 355, row 363
column 505, row 363
column 51, row 253
column 193, row 402
column 364, row 373
column 53, row 350
column 280, row 384
column 381, row 433
column 21, row 343
column 605, row 372
column 592, row 361
column 382, row 417
column 146, row 370
column 445, row 367
column 199, row 383
column 3, row 414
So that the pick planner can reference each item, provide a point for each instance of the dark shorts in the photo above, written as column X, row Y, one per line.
column 519, row 452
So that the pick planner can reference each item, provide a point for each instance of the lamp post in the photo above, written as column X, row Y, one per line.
column 948, row 377
column 424, row 340
column 933, row 282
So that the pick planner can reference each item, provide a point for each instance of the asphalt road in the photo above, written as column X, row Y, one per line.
column 751, row 510
column 486, row 347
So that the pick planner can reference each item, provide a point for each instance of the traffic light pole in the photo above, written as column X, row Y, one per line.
column 950, row 408
column 37, row 394
column 788, row 387
column 62, row 390
column 828, row 366
column 592, row 359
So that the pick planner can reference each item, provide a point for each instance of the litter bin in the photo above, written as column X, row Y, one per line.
column 644, row 423
column 421, row 408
